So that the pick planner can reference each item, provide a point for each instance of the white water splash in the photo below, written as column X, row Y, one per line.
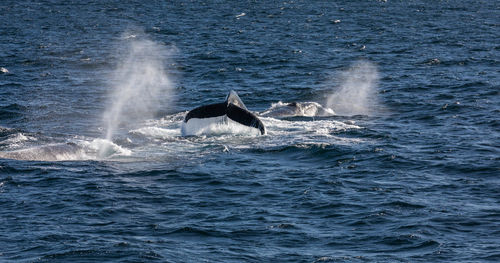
column 216, row 126
column 140, row 86
column 104, row 149
column 357, row 93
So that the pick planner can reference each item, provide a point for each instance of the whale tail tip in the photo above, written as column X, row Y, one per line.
column 233, row 98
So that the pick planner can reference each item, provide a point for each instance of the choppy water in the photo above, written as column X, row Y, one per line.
column 94, row 167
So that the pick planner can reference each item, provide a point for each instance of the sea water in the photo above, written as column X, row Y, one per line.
column 94, row 168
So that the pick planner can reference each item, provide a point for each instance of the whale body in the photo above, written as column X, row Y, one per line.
column 296, row 109
column 229, row 116
column 50, row 152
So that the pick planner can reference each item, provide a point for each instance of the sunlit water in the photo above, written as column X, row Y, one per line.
column 398, row 161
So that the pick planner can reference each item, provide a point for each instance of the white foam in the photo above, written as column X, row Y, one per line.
column 216, row 126
column 168, row 120
column 277, row 126
column 129, row 36
column 156, row 132
column 17, row 139
column 102, row 148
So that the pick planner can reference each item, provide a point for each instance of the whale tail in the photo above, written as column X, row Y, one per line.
column 232, row 108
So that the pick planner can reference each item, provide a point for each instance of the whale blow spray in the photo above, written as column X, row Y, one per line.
column 140, row 85
column 357, row 92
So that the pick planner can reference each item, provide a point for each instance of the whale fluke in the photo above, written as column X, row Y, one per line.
column 232, row 108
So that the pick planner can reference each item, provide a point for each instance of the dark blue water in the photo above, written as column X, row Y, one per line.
column 406, row 171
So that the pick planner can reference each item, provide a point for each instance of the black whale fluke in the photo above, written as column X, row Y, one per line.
column 233, row 108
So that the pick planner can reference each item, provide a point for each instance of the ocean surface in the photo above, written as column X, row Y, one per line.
column 94, row 168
